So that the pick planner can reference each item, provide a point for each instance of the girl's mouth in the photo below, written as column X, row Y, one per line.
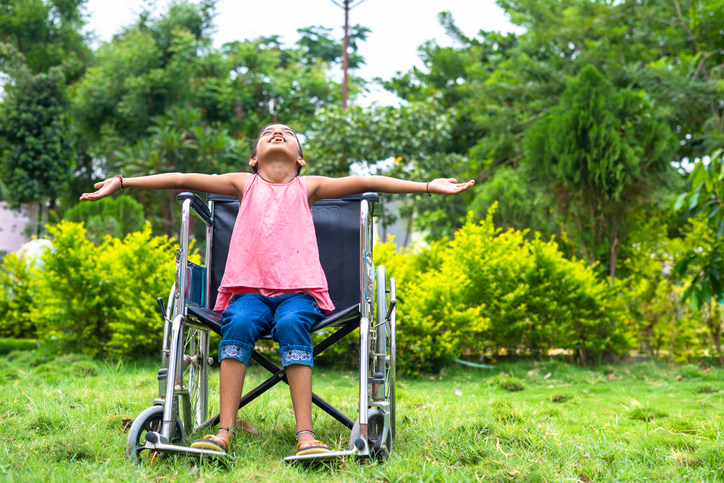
column 277, row 138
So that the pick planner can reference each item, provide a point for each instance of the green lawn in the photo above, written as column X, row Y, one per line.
column 61, row 420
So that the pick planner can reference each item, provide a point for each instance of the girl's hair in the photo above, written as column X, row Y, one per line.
column 258, row 137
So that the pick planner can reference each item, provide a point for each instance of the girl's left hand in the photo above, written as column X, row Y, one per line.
column 448, row 186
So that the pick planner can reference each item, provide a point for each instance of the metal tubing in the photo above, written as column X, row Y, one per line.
column 180, row 308
column 174, row 367
column 364, row 331
column 381, row 328
column 207, row 256
column 332, row 411
column 393, row 332
column 167, row 327
column 203, row 396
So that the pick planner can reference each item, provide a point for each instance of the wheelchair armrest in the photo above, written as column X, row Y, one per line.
column 197, row 204
column 373, row 197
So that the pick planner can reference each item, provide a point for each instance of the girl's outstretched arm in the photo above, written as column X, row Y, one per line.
column 231, row 184
column 320, row 187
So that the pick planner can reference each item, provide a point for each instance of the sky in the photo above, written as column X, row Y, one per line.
column 398, row 27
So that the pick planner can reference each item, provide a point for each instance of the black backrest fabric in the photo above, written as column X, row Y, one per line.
column 336, row 222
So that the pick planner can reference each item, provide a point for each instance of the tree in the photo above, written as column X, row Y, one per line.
column 704, row 260
column 599, row 154
column 46, row 33
column 35, row 139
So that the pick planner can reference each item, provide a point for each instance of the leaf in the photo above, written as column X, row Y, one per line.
column 695, row 300
column 705, row 293
column 714, row 211
column 683, row 264
column 715, row 281
column 680, row 201
column 693, row 201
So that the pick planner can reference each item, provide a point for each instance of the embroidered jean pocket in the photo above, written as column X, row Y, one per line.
column 316, row 307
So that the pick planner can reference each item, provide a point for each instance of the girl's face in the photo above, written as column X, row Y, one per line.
column 277, row 141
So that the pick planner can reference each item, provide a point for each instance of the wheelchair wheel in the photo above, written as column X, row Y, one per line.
column 380, row 447
column 196, row 377
column 149, row 420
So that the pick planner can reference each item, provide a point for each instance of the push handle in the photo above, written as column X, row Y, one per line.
column 198, row 205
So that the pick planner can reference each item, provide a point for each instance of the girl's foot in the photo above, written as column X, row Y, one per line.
column 220, row 442
column 307, row 443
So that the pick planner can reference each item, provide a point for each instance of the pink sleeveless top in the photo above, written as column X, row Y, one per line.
column 273, row 249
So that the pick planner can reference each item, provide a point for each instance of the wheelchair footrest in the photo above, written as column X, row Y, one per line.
column 172, row 448
column 332, row 455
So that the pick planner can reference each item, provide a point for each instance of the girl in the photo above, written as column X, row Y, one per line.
column 273, row 279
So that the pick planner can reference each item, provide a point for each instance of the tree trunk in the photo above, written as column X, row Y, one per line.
column 614, row 249
column 715, row 328
column 408, row 229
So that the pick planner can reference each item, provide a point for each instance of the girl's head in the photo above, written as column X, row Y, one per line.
column 277, row 137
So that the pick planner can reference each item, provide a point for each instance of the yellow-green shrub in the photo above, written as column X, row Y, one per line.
column 497, row 291
column 100, row 300
column 16, row 297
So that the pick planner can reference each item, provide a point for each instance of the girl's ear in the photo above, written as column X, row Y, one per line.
column 301, row 162
column 252, row 162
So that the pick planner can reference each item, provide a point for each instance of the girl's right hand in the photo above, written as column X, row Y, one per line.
column 105, row 188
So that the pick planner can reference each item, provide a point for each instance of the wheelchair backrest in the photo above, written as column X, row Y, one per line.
column 337, row 224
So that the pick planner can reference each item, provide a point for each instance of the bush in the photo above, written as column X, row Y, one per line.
column 9, row 345
column 16, row 297
column 100, row 300
column 116, row 217
column 489, row 290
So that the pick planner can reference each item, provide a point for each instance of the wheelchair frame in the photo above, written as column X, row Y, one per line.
column 185, row 357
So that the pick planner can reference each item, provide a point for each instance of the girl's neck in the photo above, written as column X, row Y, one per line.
column 276, row 182
column 277, row 176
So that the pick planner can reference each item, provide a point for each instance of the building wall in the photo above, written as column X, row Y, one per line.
column 12, row 227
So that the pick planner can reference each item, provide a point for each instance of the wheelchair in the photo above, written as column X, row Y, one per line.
column 363, row 299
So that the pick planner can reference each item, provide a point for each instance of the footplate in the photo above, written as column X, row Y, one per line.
column 329, row 456
column 172, row 448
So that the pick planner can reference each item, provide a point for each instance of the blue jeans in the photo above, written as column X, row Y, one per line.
column 288, row 317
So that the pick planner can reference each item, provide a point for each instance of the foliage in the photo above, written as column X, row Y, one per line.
column 35, row 139
column 16, row 297
column 599, row 153
column 405, row 142
column 320, row 47
column 116, row 217
column 46, row 33
column 519, row 204
column 667, row 328
column 500, row 84
column 489, row 290
column 101, row 300
column 704, row 260
column 9, row 345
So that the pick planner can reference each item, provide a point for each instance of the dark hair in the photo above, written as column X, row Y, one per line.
column 258, row 137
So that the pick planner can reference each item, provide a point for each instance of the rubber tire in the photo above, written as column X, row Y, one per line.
column 148, row 420
column 374, row 438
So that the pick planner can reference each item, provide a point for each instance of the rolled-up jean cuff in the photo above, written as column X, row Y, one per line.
column 296, row 354
column 233, row 349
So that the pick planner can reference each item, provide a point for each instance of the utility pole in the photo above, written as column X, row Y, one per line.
column 346, row 6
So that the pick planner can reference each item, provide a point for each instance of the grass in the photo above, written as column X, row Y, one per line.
column 63, row 420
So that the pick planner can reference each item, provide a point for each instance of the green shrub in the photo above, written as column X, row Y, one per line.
column 16, row 297
column 116, row 217
column 100, row 300
column 9, row 345
column 497, row 291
